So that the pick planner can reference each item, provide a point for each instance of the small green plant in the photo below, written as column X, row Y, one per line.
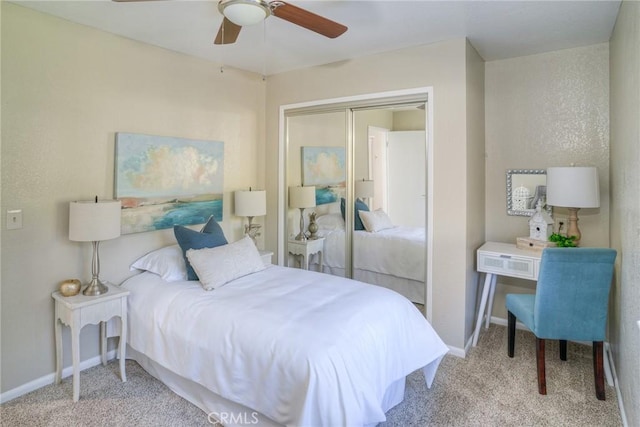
column 563, row 241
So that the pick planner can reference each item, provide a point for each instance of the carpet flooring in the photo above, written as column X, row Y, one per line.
column 486, row 388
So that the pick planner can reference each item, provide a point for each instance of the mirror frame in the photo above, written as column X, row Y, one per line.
column 528, row 212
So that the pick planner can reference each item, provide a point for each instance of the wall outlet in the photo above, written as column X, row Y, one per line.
column 14, row 219
column 560, row 223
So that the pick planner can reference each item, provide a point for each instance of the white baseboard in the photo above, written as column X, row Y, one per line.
column 50, row 378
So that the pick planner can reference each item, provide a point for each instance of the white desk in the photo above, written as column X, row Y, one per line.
column 306, row 248
column 502, row 259
column 80, row 310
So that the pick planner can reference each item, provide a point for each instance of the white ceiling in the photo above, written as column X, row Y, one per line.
column 497, row 29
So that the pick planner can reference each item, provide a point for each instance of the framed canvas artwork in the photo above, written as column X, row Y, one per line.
column 165, row 181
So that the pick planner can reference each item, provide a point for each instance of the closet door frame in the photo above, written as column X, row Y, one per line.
column 351, row 103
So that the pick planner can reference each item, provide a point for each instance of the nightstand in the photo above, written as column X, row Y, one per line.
column 266, row 257
column 80, row 310
column 306, row 248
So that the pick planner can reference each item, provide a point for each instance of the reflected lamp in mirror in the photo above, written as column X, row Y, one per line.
column 302, row 198
column 525, row 189
column 251, row 203
column 574, row 188
column 364, row 189
column 94, row 221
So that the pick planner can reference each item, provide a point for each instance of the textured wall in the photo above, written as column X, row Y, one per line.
column 544, row 110
column 66, row 90
column 625, row 205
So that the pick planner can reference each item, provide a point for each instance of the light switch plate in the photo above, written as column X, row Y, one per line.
column 14, row 219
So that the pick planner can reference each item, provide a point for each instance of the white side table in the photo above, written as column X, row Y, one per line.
column 306, row 248
column 80, row 310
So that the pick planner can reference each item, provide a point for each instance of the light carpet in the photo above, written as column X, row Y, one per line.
column 487, row 388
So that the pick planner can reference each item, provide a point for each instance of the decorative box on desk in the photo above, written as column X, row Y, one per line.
column 533, row 244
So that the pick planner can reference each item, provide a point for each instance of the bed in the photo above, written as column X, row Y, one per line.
column 393, row 257
column 281, row 346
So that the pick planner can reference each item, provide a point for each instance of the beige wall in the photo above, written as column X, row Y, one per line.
column 550, row 109
column 624, row 332
column 443, row 66
column 475, row 177
column 66, row 90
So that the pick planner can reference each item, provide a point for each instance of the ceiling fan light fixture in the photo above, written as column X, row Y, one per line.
column 244, row 12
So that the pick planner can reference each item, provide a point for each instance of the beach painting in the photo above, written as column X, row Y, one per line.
column 325, row 168
column 165, row 181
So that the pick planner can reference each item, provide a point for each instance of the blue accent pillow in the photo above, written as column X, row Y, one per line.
column 360, row 206
column 212, row 227
column 192, row 239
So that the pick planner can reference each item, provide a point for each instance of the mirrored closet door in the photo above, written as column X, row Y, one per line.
column 366, row 164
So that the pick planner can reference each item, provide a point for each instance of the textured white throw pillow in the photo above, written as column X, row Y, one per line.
column 220, row 265
column 167, row 262
column 375, row 221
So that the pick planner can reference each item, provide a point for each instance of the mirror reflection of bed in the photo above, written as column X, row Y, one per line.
column 389, row 247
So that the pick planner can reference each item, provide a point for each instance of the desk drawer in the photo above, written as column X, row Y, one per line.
column 507, row 265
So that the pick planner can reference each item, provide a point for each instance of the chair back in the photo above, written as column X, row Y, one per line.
column 572, row 294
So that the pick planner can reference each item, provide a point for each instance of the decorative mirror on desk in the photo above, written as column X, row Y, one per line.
column 525, row 187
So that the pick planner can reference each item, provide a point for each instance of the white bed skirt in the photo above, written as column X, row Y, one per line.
column 413, row 290
column 222, row 410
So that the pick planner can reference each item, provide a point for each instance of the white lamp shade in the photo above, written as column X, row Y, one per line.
column 302, row 197
column 245, row 12
column 91, row 221
column 573, row 187
column 251, row 203
column 364, row 189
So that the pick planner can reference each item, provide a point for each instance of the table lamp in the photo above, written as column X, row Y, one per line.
column 251, row 204
column 573, row 188
column 302, row 197
column 94, row 221
column 364, row 189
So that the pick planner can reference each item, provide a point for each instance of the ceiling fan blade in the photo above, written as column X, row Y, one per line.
column 308, row 20
column 228, row 32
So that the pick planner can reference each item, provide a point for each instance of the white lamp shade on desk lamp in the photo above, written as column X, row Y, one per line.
column 573, row 188
column 302, row 197
column 94, row 221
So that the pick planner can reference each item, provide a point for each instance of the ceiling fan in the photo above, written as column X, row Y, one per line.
column 240, row 13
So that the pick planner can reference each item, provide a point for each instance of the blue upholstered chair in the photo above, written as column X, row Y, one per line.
column 570, row 303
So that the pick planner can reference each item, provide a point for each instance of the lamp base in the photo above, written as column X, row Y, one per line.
column 95, row 288
column 573, row 229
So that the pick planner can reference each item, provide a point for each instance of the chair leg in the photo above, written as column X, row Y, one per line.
column 563, row 350
column 598, row 368
column 511, row 333
column 542, row 379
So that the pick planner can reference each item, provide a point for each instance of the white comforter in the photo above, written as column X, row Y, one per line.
column 302, row 348
column 398, row 251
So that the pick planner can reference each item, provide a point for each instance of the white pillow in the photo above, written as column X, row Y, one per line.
column 167, row 262
column 375, row 221
column 330, row 222
column 222, row 264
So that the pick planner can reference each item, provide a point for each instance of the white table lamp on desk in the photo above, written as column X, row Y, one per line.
column 573, row 188
column 94, row 221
